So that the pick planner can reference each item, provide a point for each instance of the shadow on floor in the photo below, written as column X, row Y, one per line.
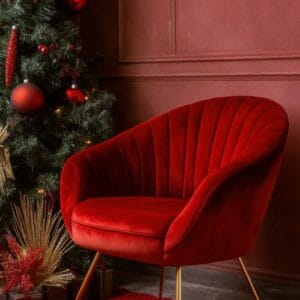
column 204, row 283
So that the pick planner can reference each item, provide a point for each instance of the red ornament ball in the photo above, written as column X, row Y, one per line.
column 75, row 95
column 75, row 6
column 40, row 46
column 43, row 49
column 27, row 98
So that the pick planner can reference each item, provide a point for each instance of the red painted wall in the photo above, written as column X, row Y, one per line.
column 159, row 54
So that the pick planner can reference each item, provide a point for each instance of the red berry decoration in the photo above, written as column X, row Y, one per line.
column 11, row 56
column 72, row 47
column 74, row 6
column 27, row 98
column 43, row 49
column 54, row 46
column 75, row 95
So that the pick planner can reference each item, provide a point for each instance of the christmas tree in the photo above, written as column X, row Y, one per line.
column 56, row 111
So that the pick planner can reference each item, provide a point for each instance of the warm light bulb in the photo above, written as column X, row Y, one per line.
column 58, row 110
column 86, row 98
column 41, row 191
column 88, row 142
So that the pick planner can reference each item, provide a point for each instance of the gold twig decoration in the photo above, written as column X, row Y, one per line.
column 6, row 171
column 35, row 225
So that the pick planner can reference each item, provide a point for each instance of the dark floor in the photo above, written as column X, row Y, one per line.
column 206, row 284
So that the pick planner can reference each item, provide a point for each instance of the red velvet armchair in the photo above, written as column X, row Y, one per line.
column 190, row 186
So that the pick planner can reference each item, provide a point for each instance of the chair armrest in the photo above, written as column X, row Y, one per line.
column 77, row 182
column 93, row 172
column 185, row 221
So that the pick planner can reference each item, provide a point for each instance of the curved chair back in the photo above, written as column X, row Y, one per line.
column 171, row 154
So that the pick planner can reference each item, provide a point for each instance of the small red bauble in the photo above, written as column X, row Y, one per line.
column 40, row 46
column 75, row 6
column 27, row 98
column 43, row 49
column 75, row 95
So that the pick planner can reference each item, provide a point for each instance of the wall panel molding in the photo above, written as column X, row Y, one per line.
column 177, row 38
column 208, row 57
column 206, row 77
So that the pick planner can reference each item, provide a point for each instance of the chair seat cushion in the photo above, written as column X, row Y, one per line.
column 135, row 221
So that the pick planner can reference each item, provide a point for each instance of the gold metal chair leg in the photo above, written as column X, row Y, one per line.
column 178, row 283
column 88, row 277
column 248, row 278
column 161, row 284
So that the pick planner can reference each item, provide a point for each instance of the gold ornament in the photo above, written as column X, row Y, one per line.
column 6, row 171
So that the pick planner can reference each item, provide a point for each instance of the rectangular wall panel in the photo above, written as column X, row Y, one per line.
column 145, row 29
column 237, row 28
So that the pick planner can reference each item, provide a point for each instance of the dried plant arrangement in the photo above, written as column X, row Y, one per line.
column 37, row 242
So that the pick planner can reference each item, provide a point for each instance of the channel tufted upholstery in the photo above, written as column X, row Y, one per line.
column 190, row 186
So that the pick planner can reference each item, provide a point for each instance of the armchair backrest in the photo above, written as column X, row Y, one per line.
column 171, row 154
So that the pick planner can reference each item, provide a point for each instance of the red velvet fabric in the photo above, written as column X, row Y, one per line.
column 141, row 221
column 219, row 159
column 127, row 295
